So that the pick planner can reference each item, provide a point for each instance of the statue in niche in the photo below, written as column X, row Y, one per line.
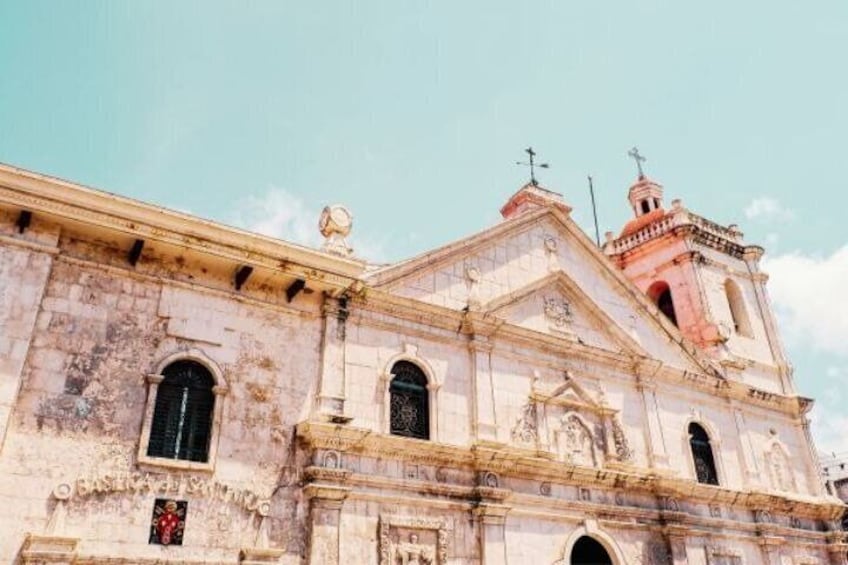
column 413, row 553
column 576, row 443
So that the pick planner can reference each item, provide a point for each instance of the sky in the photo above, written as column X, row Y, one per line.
column 413, row 114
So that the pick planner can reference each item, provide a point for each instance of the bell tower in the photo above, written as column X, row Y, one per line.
column 705, row 280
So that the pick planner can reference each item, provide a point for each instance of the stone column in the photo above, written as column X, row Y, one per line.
column 331, row 392
column 491, row 518
column 485, row 422
column 325, row 514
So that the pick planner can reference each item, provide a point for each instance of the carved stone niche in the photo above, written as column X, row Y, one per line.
column 413, row 541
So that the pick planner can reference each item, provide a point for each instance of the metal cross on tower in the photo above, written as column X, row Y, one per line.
column 532, row 164
column 639, row 160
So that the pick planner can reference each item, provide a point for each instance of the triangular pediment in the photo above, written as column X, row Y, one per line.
column 556, row 305
column 511, row 268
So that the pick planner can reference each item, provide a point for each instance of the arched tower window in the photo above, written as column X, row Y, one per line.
column 741, row 321
column 660, row 294
column 409, row 401
column 588, row 551
column 702, row 455
column 182, row 417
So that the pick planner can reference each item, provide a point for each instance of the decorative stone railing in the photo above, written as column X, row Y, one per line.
column 677, row 218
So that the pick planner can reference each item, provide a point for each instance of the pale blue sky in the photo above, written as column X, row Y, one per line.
column 413, row 114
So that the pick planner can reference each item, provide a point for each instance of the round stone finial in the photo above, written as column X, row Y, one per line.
column 63, row 491
column 335, row 224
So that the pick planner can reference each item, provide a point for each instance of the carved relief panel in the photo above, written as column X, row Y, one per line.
column 412, row 541
column 569, row 422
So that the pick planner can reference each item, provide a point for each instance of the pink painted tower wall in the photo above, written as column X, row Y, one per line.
column 707, row 280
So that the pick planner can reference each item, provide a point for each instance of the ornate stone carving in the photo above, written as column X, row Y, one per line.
column 715, row 510
column 670, row 504
column 489, row 479
column 622, row 448
column 332, row 459
column 558, row 311
column 545, row 489
column 412, row 541
column 526, row 429
column 584, row 494
column 335, row 224
column 576, row 443
column 762, row 516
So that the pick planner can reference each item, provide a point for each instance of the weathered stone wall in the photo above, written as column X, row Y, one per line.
column 97, row 332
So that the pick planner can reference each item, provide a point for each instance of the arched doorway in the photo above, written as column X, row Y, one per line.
column 588, row 551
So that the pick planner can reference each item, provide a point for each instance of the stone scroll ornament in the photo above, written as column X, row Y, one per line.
column 168, row 523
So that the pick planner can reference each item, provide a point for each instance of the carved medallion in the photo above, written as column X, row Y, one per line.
column 558, row 311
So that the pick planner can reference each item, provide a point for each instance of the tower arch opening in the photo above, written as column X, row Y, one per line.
column 660, row 294
column 738, row 311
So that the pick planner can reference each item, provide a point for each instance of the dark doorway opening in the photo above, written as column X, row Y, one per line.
column 588, row 551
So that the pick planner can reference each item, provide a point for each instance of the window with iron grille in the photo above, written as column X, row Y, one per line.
column 410, row 407
column 182, row 417
column 702, row 453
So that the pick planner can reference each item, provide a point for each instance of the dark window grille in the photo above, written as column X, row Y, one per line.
column 702, row 453
column 410, row 406
column 182, row 418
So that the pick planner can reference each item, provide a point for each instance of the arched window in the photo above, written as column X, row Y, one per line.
column 645, row 207
column 660, row 294
column 702, row 455
column 182, row 417
column 410, row 406
column 741, row 322
column 588, row 551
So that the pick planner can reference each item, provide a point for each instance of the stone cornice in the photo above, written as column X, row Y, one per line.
column 520, row 463
column 63, row 200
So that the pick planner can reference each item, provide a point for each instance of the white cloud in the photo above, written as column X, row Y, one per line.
column 828, row 425
column 766, row 209
column 281, row 214
column 809, row 295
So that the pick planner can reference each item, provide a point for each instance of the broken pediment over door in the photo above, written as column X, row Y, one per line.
column 575, row 426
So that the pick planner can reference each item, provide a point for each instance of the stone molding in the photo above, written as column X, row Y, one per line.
column 508, row 461
column 69, row 201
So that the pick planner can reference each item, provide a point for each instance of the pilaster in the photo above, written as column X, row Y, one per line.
column 326, row 493
column 331, row 392
column 484, row 415
column 492, row 519
column 656, row 441
column 675, row 536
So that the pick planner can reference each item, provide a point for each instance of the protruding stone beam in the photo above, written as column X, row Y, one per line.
column 135, row 252
column 24, row 220
column 242, row 274
column 294, row 289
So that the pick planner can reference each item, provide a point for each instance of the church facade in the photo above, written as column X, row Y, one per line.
column 175, row 391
